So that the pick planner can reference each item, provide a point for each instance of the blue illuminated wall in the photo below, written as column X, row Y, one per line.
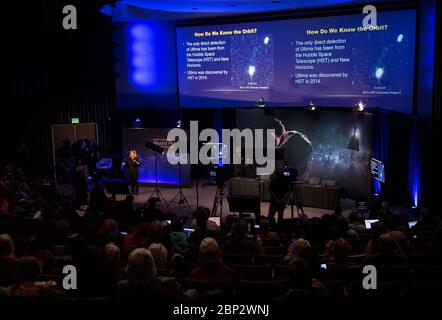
column 146, row 64
column 415, row 162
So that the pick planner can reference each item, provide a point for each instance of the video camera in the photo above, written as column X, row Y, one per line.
column 288, row 172
column 219, row 173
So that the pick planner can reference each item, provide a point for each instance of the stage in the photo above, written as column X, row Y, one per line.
column 206, row 197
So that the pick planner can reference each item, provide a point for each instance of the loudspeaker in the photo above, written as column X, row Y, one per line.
column 244, row 203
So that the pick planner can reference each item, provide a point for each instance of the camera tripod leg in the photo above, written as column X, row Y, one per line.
column 218, row 202
column 215, row 204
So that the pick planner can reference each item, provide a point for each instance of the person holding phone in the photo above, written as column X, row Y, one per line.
column 133, row 164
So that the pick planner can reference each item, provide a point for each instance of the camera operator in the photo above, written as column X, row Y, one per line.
column 279, row 189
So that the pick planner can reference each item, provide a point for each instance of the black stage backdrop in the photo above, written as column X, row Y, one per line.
column 340, row 144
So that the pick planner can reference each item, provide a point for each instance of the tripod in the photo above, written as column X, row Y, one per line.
column 218, row 201
column 182, row 198
column 295, row 198
column 156, row 193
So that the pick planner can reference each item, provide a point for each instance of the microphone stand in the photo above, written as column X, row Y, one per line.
column 156, row 193
column 182, row 198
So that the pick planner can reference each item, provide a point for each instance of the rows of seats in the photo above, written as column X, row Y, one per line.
column 265, row 274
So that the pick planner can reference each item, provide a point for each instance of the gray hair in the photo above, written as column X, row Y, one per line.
column 112, row 252
column 159, row 254
column 141, row 266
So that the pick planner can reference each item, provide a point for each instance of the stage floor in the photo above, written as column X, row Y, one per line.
column 206, row 198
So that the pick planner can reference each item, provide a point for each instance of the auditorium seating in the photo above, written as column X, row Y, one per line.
column 270, row 259
column 253, row 272
column 237, row 258
column 262, row 290
column 265, row 274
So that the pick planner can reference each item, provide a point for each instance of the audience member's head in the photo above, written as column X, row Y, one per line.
column 264, row 225
column 155, row 231
column 388, row 245
column 97, row 277
column 343, row 224
column 377, row 229
column 159, row 254
column 141, row 231
column 152, row 202
column 299, row 248
column 6, row 246
column 202, row 216
column 239, row 229
column 230, row 220
column 108, row 228
column 209, row 251
column 141, row 267
column 299, row 274
column 112, row 252
column 354, row 218
column 341, row 250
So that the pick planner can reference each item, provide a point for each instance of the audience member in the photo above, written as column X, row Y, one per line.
column 377, row 229
column 7, row 261
column 211, row 225
column 96, row 277
column 108, row 232
column 201, row 231
column 159, row 254
column 142, row 280
column 337, row 256
column 302, row 286
column 238, row 243
column 398, row 235
column 300, row 248
column 139, row 238
column 177, row 233
column 266, row 237
column 210, row 267
column 390, row 253
column 28, row 272
column 54, row 237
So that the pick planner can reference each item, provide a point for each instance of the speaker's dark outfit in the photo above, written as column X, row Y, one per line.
column 132, row 174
